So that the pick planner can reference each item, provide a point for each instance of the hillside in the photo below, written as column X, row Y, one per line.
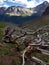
column 35, row 24
column 12, row 52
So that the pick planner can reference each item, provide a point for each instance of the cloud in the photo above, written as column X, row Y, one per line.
column 1, row 1
column 26, row 3
column 47, row 0
column 31, row 4
column 5, row 5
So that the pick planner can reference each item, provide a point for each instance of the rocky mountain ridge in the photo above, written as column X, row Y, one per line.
column 16, row 11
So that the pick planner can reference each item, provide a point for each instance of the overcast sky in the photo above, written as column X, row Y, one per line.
column 24, row 3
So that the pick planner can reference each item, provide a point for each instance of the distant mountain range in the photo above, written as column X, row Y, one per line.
column 17, row 15
column 16, row 11
column 20, row 15
column 20, row 11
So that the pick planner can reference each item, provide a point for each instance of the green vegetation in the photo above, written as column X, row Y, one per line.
column 20, row 40
column 1, row 34
column 7, row 50
column 2, row 26
column 14, row 62
column 21, row 48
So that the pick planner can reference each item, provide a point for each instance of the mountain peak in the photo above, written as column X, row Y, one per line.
column 45, row 2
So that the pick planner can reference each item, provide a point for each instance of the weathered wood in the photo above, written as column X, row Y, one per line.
column 38, row 61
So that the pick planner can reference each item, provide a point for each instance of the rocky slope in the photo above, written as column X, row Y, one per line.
column 46, row 12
